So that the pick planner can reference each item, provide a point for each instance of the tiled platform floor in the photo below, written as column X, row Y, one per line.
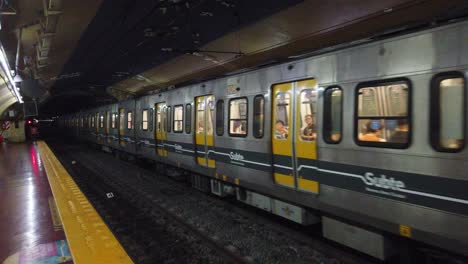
column 26, row 218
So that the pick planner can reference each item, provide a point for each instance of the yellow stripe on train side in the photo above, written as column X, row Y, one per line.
column 308, row 185
column 89, row 238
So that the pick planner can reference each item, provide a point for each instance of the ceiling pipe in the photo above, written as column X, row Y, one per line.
column 18, row 48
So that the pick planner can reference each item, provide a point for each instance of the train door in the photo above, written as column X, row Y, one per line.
column 160, row 132
column 294, row 135
column 107, row 126
column 122, row 142
column 204, row 137
column 96, row 128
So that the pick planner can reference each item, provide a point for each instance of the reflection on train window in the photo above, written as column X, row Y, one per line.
column 282, row 108
column 382, row 114
column 307, row 103
column 448, row 112
column 238, row 117
column 121, row 120
column 258, row 116
column 168, row 119
column 101, row 121
column 188, row 118
column 81, row 122
column 92, row 121
column 201, row 117
column 114, row 119
column 159, row 116
column 211, row 117
column 129, row 120
column 144, row 120
column 332, row 115
column 178, row 118
column 220, row 118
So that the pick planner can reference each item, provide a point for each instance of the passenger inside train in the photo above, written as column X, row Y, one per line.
column 309, row 132
column 281, row 132
column 372, row 131
column 400, row 134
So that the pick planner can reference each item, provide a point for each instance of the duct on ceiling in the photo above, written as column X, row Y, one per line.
column 45, row 35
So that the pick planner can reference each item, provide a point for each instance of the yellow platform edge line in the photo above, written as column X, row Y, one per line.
column 89, row 238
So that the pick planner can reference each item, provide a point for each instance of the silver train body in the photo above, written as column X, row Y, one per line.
column 424, row 194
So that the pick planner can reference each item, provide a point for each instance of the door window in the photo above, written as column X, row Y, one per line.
column 282, row 108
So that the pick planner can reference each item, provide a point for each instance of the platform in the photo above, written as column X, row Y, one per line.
column 44, row 215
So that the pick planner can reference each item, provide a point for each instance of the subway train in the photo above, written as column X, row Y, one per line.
column 367, row 140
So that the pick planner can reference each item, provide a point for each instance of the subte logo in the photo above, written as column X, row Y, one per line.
column 383, row 182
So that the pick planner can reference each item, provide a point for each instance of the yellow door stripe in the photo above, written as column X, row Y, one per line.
column 308, row 185
column 283, row 179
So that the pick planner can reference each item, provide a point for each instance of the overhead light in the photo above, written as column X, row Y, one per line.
column 7, row 71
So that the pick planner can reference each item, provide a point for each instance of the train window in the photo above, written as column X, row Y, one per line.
column 448, row 112
column 382, row 114
column 258, row 116
column 238, row 117
column 332, row 115
column 144, row 120
column 282, row 108
column 168, row 119
column 101, row 121
column 188, row 118
column 113, row 120
column 178, row 118
column 220, row 118
column 129, row 120
column 307, row 110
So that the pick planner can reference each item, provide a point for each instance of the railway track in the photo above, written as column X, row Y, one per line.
column 142, row 207
column 124, row 212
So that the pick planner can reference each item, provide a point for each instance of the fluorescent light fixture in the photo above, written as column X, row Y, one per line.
column 7, row 71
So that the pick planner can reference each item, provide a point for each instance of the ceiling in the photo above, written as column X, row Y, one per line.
column 108, row 50
column 49, row 28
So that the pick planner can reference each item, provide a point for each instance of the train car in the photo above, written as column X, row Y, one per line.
column 101, row 127
column 369, row 140
column 112, row 126
column 126, row 131
column 144, row 127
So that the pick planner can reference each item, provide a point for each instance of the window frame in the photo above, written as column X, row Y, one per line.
column 253, row 116
column 188, row 121
column 174, row 120
column 246, row 115
column 129, row 112
column 409, row 116
column 326, row 126
column 434, row 112
column 220, row 132
column 147, row 119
